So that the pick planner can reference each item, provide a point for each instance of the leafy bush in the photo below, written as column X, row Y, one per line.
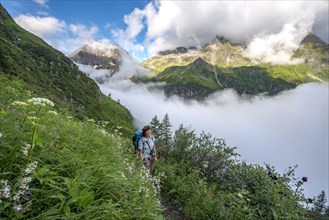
column 205, row 179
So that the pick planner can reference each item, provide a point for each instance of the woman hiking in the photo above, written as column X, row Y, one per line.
column 147, row 150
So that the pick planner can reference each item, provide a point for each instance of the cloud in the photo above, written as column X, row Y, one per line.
column 196, row 23
column 83, row 32
column 62, row 36
column 41, row 26
column 41, row 2
column 170, row 24
column 278, row 48
column 290, row 128
column 127, row 38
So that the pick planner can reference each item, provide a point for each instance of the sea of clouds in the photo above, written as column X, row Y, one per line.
column 287, row 129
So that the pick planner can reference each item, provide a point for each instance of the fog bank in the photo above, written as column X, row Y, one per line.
column 290, row 128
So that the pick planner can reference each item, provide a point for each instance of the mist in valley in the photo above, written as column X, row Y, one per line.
column 287, row 129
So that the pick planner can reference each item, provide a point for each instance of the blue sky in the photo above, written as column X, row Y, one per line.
column 144, row 28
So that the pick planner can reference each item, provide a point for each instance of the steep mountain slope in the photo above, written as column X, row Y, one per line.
column 49, row 73
column 316, row 55
column 200, row 79
column 229, row 68
column 194, row 80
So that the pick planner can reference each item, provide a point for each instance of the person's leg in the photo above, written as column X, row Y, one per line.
column 147, row 164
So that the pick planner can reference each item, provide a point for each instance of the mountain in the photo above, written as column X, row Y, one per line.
column 316, row 55
column 48, row 73
column 105, row 58
column 227, row 67
column 111, row 57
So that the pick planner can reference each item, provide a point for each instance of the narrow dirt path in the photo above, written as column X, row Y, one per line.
column 171, row 211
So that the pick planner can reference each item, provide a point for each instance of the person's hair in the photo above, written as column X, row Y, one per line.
column 145, row 129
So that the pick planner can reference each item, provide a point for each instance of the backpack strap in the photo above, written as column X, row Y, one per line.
column 146, row 143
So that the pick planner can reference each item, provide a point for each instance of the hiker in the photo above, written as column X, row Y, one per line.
column 147, row 150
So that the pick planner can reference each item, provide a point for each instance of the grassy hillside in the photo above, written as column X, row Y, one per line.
column 194, row 80
column 54, row 166
column 49, row 73
column 199, row 79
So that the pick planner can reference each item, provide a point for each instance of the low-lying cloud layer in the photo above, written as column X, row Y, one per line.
column 290, row 128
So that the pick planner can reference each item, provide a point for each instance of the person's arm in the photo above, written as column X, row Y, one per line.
column 155, row 154
column 155, row 150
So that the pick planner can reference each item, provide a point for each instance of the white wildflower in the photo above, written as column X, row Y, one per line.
column 33, row 118
column 26, row 149
column 1, row 134
column 25, row 183
column 18, row 103
column 27, row 171
column 30, row 167
column 103, row 132
column 19, row 208
column 52, row 112
column 6, row 190
column 17, row 196
column 41, row 101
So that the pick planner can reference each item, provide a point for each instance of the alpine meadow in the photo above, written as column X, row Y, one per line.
column 69, row 107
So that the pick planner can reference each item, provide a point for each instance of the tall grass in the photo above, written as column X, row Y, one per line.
column 56, row 167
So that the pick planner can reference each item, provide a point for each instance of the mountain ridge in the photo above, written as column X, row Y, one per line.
column 233, row 70
column 49, row 73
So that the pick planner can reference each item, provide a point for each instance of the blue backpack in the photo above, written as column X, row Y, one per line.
column 137, row 136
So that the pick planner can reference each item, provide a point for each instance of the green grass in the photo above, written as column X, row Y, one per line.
column 82, row 172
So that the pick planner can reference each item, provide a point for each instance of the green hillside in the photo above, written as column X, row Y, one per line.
column 200, row 79
column 227, row 68
column 194, row 80
column 48, row 73
column 54, row 166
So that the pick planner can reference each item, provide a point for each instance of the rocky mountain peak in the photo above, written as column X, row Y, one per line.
column 200, row 62
column 314, row 40
column 99, row 55
column 178, row 50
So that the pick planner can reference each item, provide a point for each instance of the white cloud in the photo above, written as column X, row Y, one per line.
column 134, row 22
column 193, row 23
column 74, row 37
column 41, row 2
column 126, row 38
column 170, row 24
column 41, row 26
column 62, row 36
column 278, row 48
column 83, row 32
